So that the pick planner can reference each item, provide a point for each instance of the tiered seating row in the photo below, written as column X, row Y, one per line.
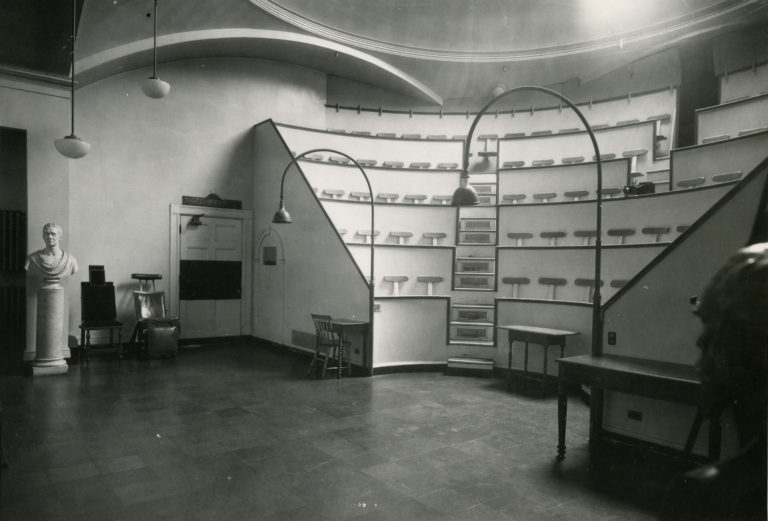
column 568, row 273
column 344, row 182
column 395, row 225
column 633, row 141
column 387, row 152
column 568, row 182
column 655, row 106
column 634, row 220
column 733, row 119
column 407, row 271
column 717, row 162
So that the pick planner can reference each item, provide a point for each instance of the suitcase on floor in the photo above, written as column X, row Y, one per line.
column 162, row 339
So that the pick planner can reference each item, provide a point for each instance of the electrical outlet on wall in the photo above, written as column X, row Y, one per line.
column 611, row 338
column 376, row 308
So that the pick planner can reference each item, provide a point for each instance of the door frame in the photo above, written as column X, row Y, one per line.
column 246, row 218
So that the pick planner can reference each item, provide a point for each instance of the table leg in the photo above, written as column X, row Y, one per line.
column 562, row 413
column 525, row 366
column 509, row 364
column 715, row 434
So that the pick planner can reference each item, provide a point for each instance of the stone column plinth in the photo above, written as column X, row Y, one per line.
column 49, row 357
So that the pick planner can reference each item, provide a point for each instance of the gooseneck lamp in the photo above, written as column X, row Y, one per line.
column 283, row 217
column 466, row 196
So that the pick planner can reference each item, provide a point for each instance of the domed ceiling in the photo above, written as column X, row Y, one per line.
column 429, row 50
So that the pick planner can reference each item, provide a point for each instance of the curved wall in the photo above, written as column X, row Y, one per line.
column 147, row 153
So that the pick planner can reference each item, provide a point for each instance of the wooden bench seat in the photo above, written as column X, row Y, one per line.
column 621, row 234
column 415, row 198
column 589, row 284
column 516, row 282
column 360, row 196
column 576, row 195
column 604, row 157
column 430, row 281
column 691, row 183
column 401, row 236
column 386, row 134
column 513, row 198
column 749, row 131
column 393, row 164
column 437, row 136
column 569, row 130
column 411, row 136
column 314, row 157
column 420, row 164
column 724, row 178
column 587, row 235
column 395, row 280
column 715, row 139
column 543, row 162
column 519, row 237
column 342, row 160
column 434, row 236
column 513, row 164
column 367, row 235
column 610, row 192
column 513, row 135
column 442, row 199
column 552, row 236
column 656, row 231
column 333, row 193
column 544, row 197
column 367, row 162
column 447, row 166
column 572, row 159
column 541, row 133
column 553, row 283
column 388, row 197
column 627, row 122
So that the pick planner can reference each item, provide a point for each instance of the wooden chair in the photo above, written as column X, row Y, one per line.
column 98, row 313
column 326, row 344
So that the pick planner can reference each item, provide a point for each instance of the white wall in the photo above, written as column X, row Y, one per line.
column 44, row 113
column 114, row 203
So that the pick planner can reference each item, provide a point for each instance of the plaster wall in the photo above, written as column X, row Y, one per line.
column 147, row 153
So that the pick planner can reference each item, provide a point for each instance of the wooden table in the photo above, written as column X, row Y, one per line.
column 651, row 378
column 344, row 326
column 543, row 336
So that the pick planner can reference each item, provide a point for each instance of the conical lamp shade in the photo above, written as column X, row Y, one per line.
column 282, row 216
column 465, row 196
column 72, row 146
column 155, row 87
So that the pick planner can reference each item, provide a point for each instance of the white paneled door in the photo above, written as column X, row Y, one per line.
column 210, row 276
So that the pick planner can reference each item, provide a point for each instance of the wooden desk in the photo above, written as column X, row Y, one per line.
column 660, row 380
column 543, row 336
column 343, row 326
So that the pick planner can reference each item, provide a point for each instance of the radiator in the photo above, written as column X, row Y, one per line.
column 13, row 240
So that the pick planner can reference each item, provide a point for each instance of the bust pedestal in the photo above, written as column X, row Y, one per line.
column 49, row 357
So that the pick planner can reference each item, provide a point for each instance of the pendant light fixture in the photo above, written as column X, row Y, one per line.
column 153, row 86
column 72, row 146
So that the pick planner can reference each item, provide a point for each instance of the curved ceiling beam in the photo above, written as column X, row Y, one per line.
column 670, row 28
column 282, row 46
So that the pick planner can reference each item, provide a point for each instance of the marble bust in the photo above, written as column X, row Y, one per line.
column 51, row 262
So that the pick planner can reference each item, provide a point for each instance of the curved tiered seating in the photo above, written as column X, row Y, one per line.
column 730, row 119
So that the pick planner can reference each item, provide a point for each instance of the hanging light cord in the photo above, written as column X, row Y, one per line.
column 154, row 47
column 72, row 83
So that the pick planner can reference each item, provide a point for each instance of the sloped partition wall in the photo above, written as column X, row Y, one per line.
column 314, row 272
column 651, row 316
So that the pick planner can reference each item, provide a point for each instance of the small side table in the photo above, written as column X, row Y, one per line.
column 544, row 336
column 343, row 326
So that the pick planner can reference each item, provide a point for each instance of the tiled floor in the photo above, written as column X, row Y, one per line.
column 239, row 433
